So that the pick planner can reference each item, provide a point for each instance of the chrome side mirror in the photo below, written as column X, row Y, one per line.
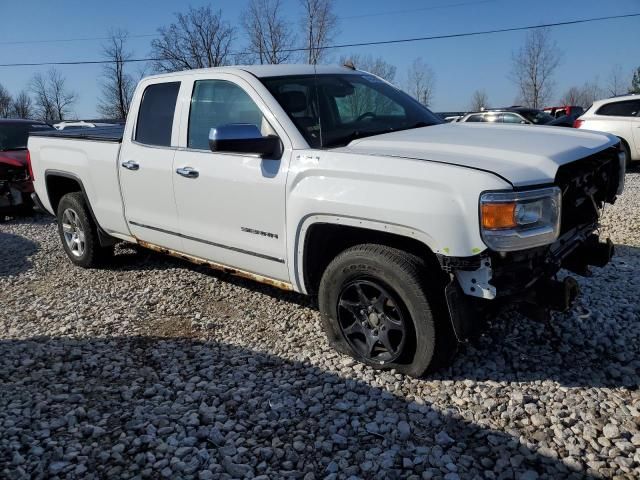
column 244, row 138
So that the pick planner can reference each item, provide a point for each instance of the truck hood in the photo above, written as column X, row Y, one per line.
column 14, row 158
column 522, row 155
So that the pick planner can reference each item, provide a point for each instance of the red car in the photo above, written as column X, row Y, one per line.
column 15, row 181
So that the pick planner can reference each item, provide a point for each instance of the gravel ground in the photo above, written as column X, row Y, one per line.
column 155, row 368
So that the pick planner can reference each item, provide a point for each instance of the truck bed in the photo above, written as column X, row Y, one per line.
column 113, row 133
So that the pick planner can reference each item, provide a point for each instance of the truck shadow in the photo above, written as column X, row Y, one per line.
column 154, row 394
column 597, row 344
column 15, row 251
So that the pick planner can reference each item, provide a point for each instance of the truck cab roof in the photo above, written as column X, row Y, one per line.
column 264, row 71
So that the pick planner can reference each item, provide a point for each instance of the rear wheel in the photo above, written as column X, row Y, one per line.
column 79, row 233
column 375, row 306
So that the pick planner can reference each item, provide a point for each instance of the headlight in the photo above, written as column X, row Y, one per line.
column 518, row 220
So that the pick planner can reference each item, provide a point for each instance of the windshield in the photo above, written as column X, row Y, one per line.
column 537, row 117
column 332, row 110
column 14, row 136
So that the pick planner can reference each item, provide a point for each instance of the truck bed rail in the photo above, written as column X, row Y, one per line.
column 112, row 133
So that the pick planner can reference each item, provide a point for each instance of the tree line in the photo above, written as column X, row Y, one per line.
column 202, row 38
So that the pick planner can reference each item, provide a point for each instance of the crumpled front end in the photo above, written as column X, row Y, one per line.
column 528, row 276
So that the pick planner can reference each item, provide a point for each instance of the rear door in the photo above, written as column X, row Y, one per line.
column 618, row 118
column 146, row 167
column 232, row 207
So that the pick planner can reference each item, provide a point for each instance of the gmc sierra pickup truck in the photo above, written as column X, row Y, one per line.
column 330, row 181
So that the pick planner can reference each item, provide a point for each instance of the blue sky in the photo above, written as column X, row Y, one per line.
column 461, row 65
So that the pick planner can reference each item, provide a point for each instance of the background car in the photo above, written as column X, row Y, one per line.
column 514, row 115
column 567, row 110
column 619, row 116
column 450, row 117
column 564, row 120
column 75, row 125
column 15, row 181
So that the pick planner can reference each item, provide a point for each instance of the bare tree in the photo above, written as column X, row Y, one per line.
column 616, row 85
column 582, row 96
column 270, row 37
column 320, row 25
column 573, row 96
column 5, row 102
column 368, row 63
column 43, row 104
column 53, row 101
column 22, row 106
column 479, row 100
column 421, row 81
column 635, row 82
column 533, row 68
column 200, row 38
column 118, row 86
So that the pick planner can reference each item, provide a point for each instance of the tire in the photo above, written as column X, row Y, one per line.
column 414, row 301
column 79, row 233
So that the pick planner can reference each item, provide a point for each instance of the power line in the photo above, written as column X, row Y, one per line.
column 150, row 35
column 359, row 44
column 80, row 39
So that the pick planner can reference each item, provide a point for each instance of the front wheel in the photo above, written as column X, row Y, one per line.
column 79, row 233
column 375, row 307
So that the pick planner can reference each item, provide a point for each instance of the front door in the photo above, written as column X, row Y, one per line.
column 231, row 207
column 146, row 169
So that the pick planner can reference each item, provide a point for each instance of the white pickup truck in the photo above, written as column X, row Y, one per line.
column 331, row 181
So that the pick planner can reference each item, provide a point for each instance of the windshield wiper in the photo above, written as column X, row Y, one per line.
column 356, row 135
column 371, row 133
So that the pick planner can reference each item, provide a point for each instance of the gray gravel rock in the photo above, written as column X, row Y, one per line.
column 153, row 368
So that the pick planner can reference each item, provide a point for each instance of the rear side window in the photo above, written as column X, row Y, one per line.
column 155, row 118
column 512, row 118
column 629, row 108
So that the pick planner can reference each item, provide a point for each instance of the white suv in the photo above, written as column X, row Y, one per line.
column 619, row 116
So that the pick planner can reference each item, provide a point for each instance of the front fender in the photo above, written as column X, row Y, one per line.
column 433, row 203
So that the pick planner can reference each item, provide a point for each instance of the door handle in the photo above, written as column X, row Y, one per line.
column 188, row 172
column 131, row 165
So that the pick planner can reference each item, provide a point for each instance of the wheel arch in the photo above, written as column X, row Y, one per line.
column 322, row 237
column 58, row 184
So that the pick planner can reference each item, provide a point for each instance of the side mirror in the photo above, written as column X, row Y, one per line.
column 244, row 138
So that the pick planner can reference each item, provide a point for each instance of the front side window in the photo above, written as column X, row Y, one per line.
column 629, row 108
column 218, row 102
column 331, row 110
column 155, row 118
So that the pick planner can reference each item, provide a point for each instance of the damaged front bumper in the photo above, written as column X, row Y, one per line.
column 481, row 284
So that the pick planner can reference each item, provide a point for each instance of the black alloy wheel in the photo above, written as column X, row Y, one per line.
column 372, row 320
